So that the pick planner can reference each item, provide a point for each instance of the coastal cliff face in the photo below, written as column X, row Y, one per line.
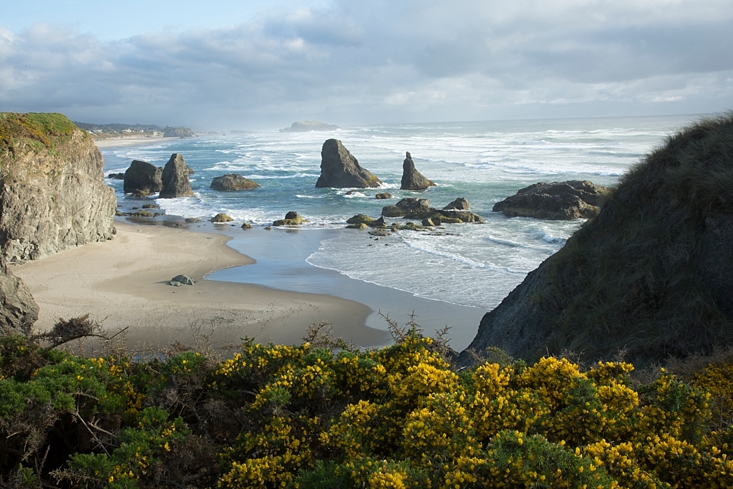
column 650, row 277
column 52, row 191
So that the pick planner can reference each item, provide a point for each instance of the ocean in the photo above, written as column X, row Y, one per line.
column 458, row 267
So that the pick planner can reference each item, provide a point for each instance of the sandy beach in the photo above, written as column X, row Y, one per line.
column 132, row 141
column 123, row 283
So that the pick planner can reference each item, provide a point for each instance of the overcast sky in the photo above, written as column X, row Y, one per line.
column 256, row 64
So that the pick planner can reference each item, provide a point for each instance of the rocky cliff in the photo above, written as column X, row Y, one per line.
column 52, row 191
column 651, row 276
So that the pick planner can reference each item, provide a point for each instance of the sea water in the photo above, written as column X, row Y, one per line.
column 472, row 265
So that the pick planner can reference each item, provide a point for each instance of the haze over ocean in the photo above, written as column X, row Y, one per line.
column 469, row 265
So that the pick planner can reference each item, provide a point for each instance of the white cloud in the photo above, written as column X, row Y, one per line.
column 352, row 61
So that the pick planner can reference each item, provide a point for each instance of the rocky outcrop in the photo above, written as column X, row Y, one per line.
column 383, row 196
column 142, row 178
column 292, row 218
column 52, row 190
column 221, row 218
column 175, row 179
column 460, row 204
column 650, row 276
column 178, row 132
column 233, row 182
column 557, row 200
column 18, row 310
column 411, row 178
column 339, row 168
column 413, row 208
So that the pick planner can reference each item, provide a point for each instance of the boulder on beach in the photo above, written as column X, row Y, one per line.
column 175, row 178
column 411, row 178
column 179, row 280
column 221, row 218
column 359, row 219
column 292, row 218
column 340, row 169
column 556, row 201
column 383, row 196
column 233, row 182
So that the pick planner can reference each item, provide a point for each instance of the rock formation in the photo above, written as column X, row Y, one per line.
column 142, row 178
column 221, row 218
column 232, row 182
column 18, row 310
column 383, row 196
column 175, row 179
column 460, row 204
column 412, row 208
column 292, row 218
column 557, row 200
column 340, row 169
column 651, row 275
column 52, row 195
column 411, row 178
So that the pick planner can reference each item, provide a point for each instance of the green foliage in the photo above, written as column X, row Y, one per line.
column 305, row 416
column 630, row 280
column 38, row 130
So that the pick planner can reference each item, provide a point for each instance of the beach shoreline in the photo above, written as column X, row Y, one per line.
column 123, row 283
column 122, row 142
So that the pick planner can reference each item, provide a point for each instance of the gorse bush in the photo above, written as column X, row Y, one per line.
column 398, row 417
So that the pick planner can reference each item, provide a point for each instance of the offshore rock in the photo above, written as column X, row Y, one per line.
column 142, row 178
column 221, row 218
column 460, row 204
column 292, row 218
column 232, row 182
column 52, row 190
column 18, row 310
column 175, row 179
column 557, row 201
column 383, row 196
column 340, row 169
column 411, row 178
column 407, row 206
column 412, row 208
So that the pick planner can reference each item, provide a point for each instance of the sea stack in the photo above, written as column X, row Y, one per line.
column 411, row 178
column 175, row 179
column 142, row 178
column 52, row 190
column 340, row 169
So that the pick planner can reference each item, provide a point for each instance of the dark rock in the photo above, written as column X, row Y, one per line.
column 246, row 226
column 116, row 176
column 383, row 196
column 380, row 233
column 360, row 219
column 18, row 310
column 175, row 179
column 142, row 177
column 378, row 223
column 411, row 178
column 460, row 204
column 407, row 206
column 221, row 218
column 181, row 280
column 142, row 214
column 53, row 195
column 411, row 226
column 340, row 169
column 292, row 218
column 151, row 206
column 192, row 220
column 232, row 182
column 558, row 201
column 428, row 222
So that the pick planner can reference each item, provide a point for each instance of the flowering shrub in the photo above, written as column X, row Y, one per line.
column 398, row 417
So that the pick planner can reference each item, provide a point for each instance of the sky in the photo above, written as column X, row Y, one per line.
column 255, row 64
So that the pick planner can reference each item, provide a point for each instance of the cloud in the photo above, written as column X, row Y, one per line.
column 355, row 62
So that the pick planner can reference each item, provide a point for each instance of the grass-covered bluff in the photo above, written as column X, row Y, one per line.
column 326, row 415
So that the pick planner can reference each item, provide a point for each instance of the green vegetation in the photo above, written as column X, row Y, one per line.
column 36, row 130
column 324, row 414
column 635, row 279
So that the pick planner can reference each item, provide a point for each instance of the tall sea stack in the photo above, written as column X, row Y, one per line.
column 340, row 169
column 411, row 178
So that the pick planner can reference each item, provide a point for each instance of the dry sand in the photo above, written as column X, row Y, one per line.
column 124, row 284
column 131, row 141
